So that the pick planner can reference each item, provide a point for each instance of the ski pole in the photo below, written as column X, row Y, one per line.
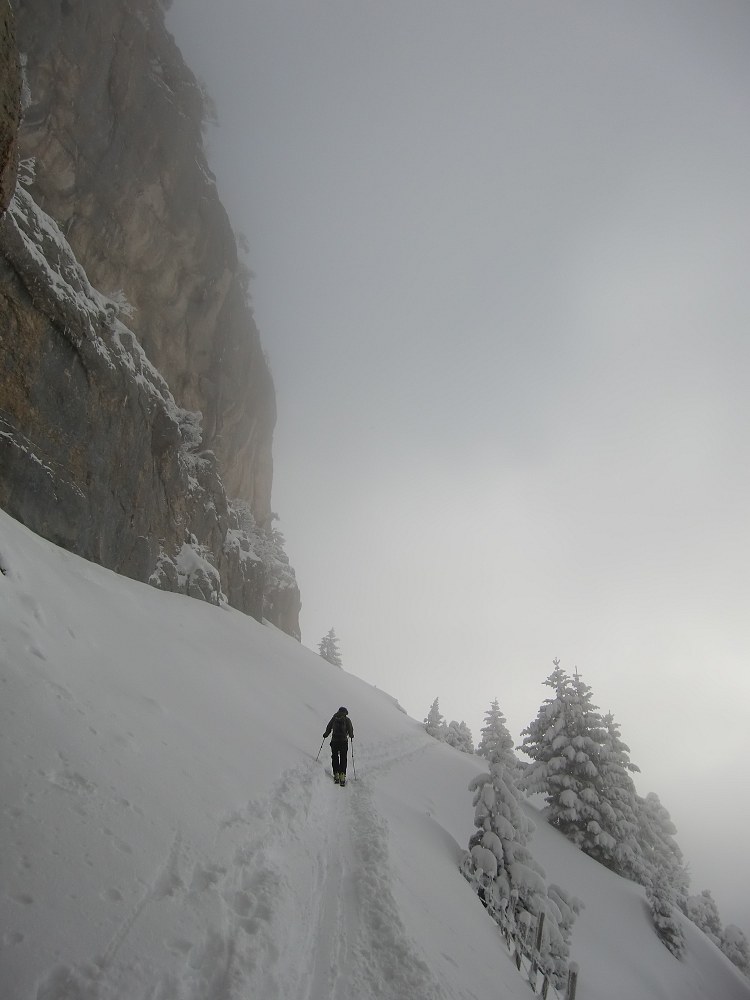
column 354, row 766
column 321, row 747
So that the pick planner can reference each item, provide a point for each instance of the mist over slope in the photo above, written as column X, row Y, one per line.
column 168, row 832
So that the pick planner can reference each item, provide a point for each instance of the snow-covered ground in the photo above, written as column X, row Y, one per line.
column 167, row 833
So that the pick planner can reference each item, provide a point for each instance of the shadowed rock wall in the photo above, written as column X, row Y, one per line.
column 135, row 399
column 114, row 124
column 10, row 105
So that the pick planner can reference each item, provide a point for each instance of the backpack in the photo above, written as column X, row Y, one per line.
column 340, row 731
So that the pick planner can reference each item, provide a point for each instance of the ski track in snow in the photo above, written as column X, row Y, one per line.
column 294, row 903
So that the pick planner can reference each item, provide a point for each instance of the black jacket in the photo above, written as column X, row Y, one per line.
column 349, row 729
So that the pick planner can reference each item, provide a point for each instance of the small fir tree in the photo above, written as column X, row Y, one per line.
column 660, row 897
column 735, row 946
column 704, row 913
column 620, row 804
column 496, row 743
column 659, row 848
column 328, row 647
column 435, row 723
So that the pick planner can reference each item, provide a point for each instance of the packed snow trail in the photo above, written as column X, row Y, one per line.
column 294, row 903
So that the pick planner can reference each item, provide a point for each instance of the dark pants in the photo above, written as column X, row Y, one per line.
column 338, row 757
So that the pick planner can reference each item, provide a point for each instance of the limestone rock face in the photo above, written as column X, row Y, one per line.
column 114, row 125
column 136, row 405
column 10, row 106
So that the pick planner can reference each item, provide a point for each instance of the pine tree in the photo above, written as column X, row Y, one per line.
column 540, row 735
column 735, row 946
column 496, row 743
column 566, row 741
column 660, row 897
column 328, row 647
column 435, row 723
column 619, row 804
column 659, row 848
column 458, row 735
column 504, row 873
column 704, row 913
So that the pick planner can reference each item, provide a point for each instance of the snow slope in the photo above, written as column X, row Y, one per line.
column 167, row 833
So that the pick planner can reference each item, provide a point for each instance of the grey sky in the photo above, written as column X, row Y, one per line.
column 501, row 253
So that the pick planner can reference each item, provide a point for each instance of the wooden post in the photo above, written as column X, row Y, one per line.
column 570, row 993
column 529, row 938
column 536, row 948
column 539, row 930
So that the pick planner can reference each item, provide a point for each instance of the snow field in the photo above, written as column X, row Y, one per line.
column 166, row 833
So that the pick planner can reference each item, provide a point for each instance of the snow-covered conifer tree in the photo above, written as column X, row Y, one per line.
column 660, row 897
column 458, row 735
column 562, row 908
column 619, row 804
column 704, row 913
column 328, row 647
column 735, row 946
column 503, row 871
column 565, row 742
column 540, row 735
column 496, row 743
column 435, row 723
column 658, row 846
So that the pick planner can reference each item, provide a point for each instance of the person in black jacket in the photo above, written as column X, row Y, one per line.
column 341, row 730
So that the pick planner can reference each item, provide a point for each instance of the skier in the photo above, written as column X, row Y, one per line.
column 342, row 731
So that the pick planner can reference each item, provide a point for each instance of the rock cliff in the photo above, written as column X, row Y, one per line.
column 136, row 404
column 10, row 105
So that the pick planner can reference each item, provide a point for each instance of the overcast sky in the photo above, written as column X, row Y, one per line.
column 501, row 254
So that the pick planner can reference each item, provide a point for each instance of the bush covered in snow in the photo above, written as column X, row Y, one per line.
column 458, row 735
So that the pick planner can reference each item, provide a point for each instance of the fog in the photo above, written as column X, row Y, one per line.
column 500, row 254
